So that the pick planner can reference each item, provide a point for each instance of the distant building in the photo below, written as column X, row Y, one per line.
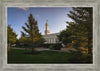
column 50, row 38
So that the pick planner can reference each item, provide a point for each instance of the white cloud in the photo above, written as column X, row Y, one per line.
column 24, row 8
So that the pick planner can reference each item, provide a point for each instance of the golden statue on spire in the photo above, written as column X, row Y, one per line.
column 46, row 21
column 47, row 28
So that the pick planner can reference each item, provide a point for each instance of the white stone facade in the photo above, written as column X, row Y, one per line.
column 51, row 38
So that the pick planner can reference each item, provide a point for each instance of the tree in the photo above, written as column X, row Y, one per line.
column 11, row 35
column 75, row 34
column 80, row 30
column 69, row 35
column 31, row 33
column 64, row 37
column 83, row 16
column 22, row 39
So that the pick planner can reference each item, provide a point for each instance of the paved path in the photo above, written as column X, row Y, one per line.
column 44, row 49
column 17, row 48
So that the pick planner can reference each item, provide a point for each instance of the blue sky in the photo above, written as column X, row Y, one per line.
column 56, row 16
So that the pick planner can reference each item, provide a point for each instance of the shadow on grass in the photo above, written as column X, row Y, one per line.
column 32, row 53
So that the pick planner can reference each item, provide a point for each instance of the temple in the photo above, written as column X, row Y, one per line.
column 47, row 28
column 50, row 38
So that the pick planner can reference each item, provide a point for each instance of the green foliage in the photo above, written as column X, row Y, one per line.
column 11, row 35
column 17, row 42
column 51, row 47
column 83, row 17
column 47, row 45
column 31, row 36
column 80, row 30
column 67, row 36
column 62, row 37
column 56, row 46
column 81, row 58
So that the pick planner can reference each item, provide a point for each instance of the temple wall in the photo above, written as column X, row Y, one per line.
column 51, row 38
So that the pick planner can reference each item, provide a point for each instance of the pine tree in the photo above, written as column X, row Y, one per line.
column 22, row 39
column 11, row 35
column 69, row 35
column 31, row 32
column 83, row 16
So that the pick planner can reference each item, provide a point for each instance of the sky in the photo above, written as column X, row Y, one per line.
column 56, row 16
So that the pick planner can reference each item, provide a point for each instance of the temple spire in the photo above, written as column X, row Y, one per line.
column 47, row 28
column 46, row 21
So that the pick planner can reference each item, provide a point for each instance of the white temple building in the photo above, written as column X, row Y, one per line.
column 50, row 38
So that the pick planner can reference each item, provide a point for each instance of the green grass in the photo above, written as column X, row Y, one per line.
column 18, row 56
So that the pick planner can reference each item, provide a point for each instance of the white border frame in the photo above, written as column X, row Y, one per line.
column 47, row 3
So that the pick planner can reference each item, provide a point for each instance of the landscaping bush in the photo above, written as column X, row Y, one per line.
column 46, row 45
column 51, row 47
column 80, row 58
column 57, row 46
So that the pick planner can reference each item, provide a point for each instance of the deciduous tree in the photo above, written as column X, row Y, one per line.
column 11, row 36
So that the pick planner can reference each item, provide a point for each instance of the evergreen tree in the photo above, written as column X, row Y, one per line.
column 11, row 35
column 22, row 39
column 31, row 32
column 69, row 35
column 80, row 30
column 83, row 16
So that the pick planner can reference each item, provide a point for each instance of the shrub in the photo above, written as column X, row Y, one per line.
column 46, row 45
column 51, row 47
column 80, row 58
column 57, row 46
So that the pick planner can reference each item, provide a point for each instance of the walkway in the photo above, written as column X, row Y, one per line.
column 39, row 49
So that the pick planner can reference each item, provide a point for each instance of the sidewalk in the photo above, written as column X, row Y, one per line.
column 44, row 49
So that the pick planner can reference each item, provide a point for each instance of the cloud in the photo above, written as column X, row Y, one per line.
column 37, row 16
column 23, row 8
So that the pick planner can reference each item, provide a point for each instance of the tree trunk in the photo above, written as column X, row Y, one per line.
column 32, row 50
column 32, row 45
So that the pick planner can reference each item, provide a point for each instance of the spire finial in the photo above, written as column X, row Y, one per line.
column 47, row 21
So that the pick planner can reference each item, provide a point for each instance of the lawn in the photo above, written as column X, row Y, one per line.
column 19, row 56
